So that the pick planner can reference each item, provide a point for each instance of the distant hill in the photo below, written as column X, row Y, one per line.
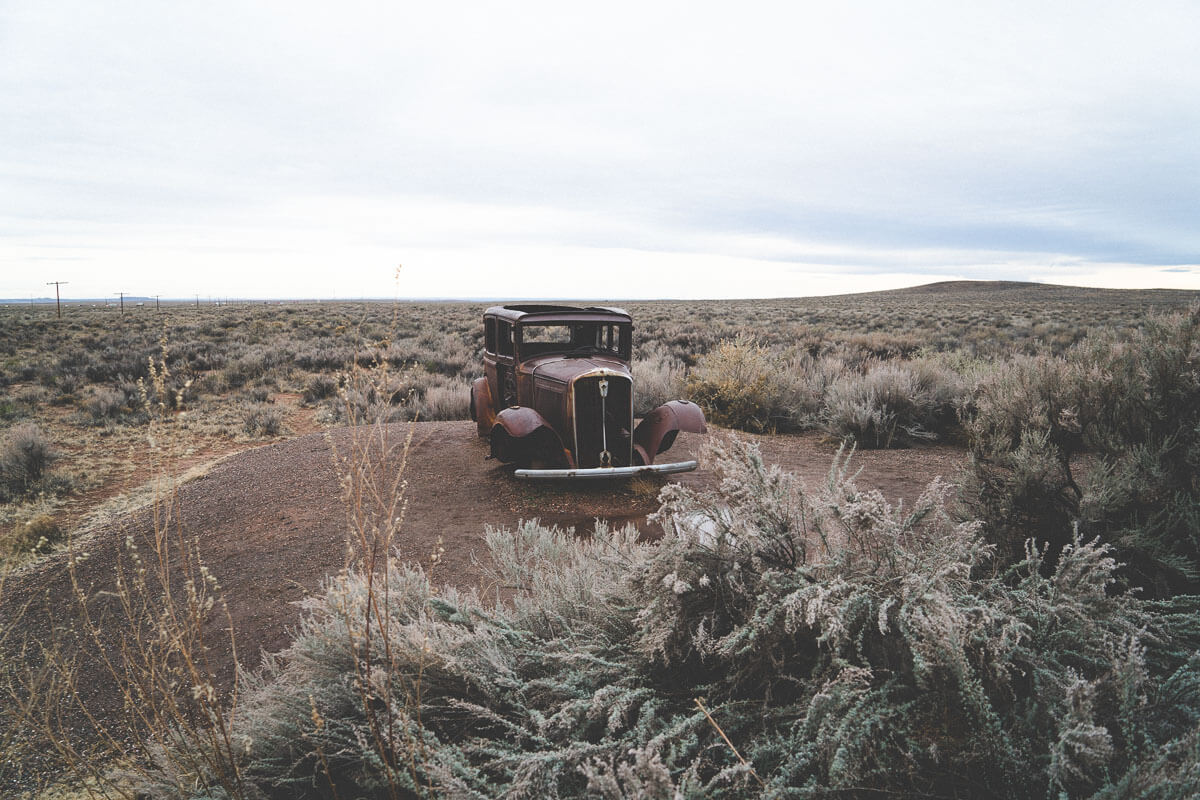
column 943, row 287
column 1026, row 291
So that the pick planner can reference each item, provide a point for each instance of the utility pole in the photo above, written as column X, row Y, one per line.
column 197, row 301
column 157, row 306
column 122, row 300
column 57, row 297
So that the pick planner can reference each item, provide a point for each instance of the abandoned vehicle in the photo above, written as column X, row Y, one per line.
column 556, row 398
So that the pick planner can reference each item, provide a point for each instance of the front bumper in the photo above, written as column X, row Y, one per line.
column 609, row 472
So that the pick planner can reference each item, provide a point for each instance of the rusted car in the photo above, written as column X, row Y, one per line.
column 556, row 398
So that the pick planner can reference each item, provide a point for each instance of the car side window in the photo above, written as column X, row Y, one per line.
column 621, row 341
column 614, row 339
column 504, row 342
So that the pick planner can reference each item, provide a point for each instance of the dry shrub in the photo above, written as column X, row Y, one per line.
column 11, row 410
column 250, row 366
column 258, row 394
column 1130, row 401
column 38, row 535
column 1024, row 432
column 25, row 459
column 862, row 348
column 743, row 384
column 443, row 399
column 262, row 419
column 409, row 394
column 1026, row 393
column 319, row 387
column 366, row 403
column 22, row 405
column 893, row 403
column 105, row 405
column 656, row 380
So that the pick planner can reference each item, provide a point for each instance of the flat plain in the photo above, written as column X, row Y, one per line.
column 238, row 375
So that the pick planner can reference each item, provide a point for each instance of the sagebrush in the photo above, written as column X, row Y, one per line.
column 1106, row 435
column 778, row 641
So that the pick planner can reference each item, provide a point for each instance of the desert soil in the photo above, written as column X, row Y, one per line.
column 272, row 522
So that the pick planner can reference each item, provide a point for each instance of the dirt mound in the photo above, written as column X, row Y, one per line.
column 271, row 522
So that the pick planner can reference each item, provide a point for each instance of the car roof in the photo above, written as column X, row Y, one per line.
column 535, row 313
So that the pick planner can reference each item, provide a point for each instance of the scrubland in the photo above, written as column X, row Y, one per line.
column 1032, row 630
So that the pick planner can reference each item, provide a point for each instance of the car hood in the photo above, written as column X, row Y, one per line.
column 565, row 369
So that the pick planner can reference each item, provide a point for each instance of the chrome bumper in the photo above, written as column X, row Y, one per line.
column 608, row 472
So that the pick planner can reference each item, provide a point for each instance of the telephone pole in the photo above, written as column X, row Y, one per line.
column 57, row 297
column 122, row 300
column 157, row 306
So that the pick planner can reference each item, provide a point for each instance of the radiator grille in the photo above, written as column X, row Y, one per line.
column 618, row 421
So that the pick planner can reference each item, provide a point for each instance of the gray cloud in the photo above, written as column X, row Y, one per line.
column 868, row 137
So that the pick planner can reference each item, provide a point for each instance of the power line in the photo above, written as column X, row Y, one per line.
column 57, row 297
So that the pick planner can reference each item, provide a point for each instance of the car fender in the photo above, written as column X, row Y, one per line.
column 482, row 409
column 521, row 434
column 656, row 433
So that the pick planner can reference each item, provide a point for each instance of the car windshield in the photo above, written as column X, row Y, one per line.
column 573, row 338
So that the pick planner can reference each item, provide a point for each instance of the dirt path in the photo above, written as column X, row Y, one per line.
column 271, row 522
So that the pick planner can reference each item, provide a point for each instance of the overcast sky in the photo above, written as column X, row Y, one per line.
column 610, row 149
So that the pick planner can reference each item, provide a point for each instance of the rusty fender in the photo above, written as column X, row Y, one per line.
column 656, row 433
column 519, row 426
column 482, row 408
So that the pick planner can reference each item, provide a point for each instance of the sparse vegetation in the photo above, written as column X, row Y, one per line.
column 1034, row 637
column 795, row 350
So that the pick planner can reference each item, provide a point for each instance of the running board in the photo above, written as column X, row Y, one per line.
column 609, row 472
